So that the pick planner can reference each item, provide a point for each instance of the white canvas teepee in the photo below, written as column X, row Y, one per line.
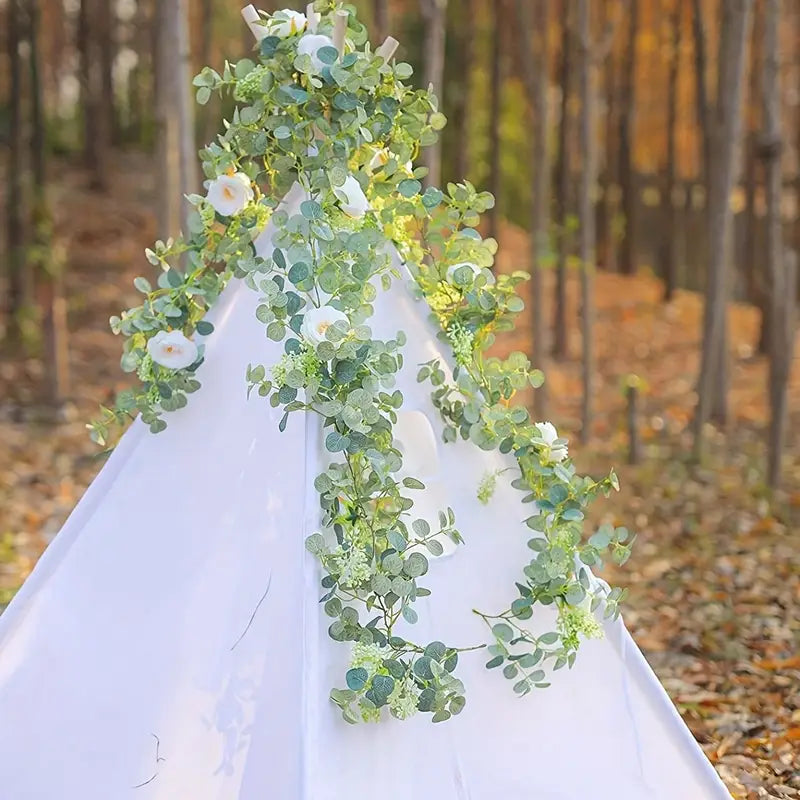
column 189, row 659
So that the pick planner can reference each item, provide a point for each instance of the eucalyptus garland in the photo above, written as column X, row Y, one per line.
column 347, row 129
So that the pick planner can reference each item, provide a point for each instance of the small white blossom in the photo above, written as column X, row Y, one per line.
column 311, row 44
column 286, row 23
column 352, row 199
column 172, row 349
column 368, row 656
column 317, row 321
column 548, row 432
column 229, row 194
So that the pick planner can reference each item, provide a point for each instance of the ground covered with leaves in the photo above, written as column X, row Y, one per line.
column 715, row 577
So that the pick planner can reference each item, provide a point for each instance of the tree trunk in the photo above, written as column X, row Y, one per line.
column 563, row 178
column 702, row 100
column 96, row 132
column 381, row 9
column 727, row 135
column 50, row 279
column 586, row 218
column 535, row 70
column 495, row 110
column 671, row 228
column 209, row 112
column 177, row 156
column 18, row 285
column 434, row 13
column 462, row 119
column 628, row 188
column 607, row 209
column 106, row 35
column 781, row 333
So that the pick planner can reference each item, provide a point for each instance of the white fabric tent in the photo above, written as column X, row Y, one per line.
column 120, row 671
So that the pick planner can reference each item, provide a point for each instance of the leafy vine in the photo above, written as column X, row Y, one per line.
column 343, row 125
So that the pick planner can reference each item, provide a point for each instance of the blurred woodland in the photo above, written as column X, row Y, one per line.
column 645, row 157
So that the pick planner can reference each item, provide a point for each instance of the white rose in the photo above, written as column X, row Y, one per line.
column 171, row 349
column 352, row 199
column 229, row 194
column 311, row 44
column 549, row 433
column 317, row 321
column 416, row 441
column 286, row 23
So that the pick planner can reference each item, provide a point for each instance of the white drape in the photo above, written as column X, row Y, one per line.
column 132, row 664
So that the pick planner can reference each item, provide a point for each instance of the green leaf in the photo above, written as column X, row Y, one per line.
column 283, row 132
column 310, row 209
column 205, row 329
column 335, row 442
column 403, row 71
column 494, row 662
column 503, row 632
column 203, row 95
column 143, row 285
column 357, row 679
column 327, row 55
column 409, row 187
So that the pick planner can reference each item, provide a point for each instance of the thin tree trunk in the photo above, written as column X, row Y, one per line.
column 671, row 228
column 495, row 110
column 703, row 105
column 563, row 178
column 210, row 112
column 463, row 117
column 177, row 157
column 381, row 10
column 18, row 296
column 607, row 209
column 628, row 187
column 106, row 34
column 727, row 135
column 780, row 344
column 50, row 277
column 434, row 13
column 96, row 133
column 537, row 82
column 588, row 93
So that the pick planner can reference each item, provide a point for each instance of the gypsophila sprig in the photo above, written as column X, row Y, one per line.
column 343, row 128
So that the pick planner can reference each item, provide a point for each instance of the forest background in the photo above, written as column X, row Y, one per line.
column 645, row 156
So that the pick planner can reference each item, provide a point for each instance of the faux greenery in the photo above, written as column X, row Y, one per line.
column 347, row 128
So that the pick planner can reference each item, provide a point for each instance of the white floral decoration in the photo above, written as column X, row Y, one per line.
column 352, row 199
column 317, row 321
column 171, row 349
column 558, row 452
column 230, row 194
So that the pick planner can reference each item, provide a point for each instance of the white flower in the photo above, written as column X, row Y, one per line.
column 286, row 23
column 172, row 349
column 549, row 433
column 416, row 441
column 352, row 199
column 317, row 321
column 311, row 44
column 229, row 194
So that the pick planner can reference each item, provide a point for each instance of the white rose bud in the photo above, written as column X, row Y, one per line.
column 286, row 23
column 311, row 44
column 229, row 194
column 352, row 199
column 317, row 321
column 548, row 432
column 171, row 349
